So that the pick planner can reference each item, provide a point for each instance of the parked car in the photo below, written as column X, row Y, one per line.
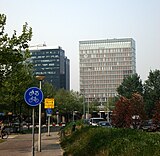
column 104, row 124
column 95, row 121
column 148, row 126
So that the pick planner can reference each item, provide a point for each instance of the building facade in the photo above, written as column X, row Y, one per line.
column 103, row 66
column 52, row 63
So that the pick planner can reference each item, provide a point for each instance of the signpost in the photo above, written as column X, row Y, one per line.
column 49, row 112
column 33, row 97
column 49, row 103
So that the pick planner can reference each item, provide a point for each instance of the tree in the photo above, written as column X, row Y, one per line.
column 48, row 90
column 110, row 104
column 131, row 84
column 152, row 91
column 12, row 95
column 11, row 53
column 15, row 73
column 127, row 109
column 121, row 116
column 67, row 101
column 156, row 114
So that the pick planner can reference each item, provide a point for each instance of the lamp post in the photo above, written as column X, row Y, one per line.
column 40, row 78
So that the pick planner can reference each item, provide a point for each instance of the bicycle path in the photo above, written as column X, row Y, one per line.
column 21, row 145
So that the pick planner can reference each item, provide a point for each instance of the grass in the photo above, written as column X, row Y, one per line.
column 99, row 141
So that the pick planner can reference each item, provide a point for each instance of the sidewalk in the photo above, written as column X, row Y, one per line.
column 21, row 145
column 50, row 145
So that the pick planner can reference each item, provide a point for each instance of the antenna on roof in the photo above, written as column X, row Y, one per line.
column 44, row 44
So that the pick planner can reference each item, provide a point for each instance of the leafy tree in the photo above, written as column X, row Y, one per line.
column 152, row 91
column 15, row 74
column 48, row 90
column 131, row 84
column 121, row 116
column 137, row 104
column 11, row 49
column 156, row 113
column 126, row 109
column 110, row 104
column 67, row 101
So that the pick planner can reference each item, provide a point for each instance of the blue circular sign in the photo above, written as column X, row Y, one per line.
column 33, row 96
column 49, row 111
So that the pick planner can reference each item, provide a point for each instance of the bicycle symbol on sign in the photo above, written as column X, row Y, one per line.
column 34, row 95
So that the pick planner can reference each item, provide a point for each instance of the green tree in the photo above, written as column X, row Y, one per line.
column 48, row 90
column 13, row 50
column 152, row 91
column 12, row 95
column 15, row 74
column 67, row 101
column 131, row 84
column 110, row 104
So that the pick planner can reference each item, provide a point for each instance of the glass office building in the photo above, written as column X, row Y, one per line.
column 52, row 63
column 103, row 66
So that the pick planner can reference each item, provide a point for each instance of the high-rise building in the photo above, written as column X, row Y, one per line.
column 52, row 63
column 103, row 66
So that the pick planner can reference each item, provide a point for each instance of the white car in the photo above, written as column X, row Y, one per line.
column 95, row 121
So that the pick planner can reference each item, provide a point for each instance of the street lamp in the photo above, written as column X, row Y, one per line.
column 40, row 78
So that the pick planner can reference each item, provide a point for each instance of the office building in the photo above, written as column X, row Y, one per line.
column 52, row 63
column 103, row 66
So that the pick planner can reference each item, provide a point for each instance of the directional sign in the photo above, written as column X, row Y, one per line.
column 49, row 103
column 49, row 112
column 33, row 96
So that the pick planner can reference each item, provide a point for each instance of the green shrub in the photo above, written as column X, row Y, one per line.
column 99, row 141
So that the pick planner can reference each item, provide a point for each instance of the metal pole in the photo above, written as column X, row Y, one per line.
column 108, row 108
column 88, row 108
column 57, row 119
column 84, row 112
column 48, row 125
column 33, row 133
column 39, row 134
column 73, row 116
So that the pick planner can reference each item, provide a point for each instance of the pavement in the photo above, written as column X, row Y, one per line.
column 21, row 145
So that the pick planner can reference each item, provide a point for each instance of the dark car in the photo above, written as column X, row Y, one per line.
column 148, row 126
column 105, row 124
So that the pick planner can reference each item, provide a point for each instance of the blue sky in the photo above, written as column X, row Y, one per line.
column 66, row 22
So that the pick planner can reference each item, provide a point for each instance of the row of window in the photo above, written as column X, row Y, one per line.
column 45, row 72
column 105, row 64
column 100, row 60
column 92, row 56
column 43, row 52
column 106, row 51
column 38, row 61
column 105, row 73
column 99, row 94
column 107, row 68
column 103, row 45
column 44, row 56
column 101, row 81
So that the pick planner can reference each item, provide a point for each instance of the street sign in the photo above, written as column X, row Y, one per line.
column 49, row 103
column 33, row 96
column 49, row 112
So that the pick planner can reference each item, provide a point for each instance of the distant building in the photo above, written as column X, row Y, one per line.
column 52, row 63
column 103, row 66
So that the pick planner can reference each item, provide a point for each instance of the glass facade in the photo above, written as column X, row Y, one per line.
column 53, row 64
column 103, row 66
